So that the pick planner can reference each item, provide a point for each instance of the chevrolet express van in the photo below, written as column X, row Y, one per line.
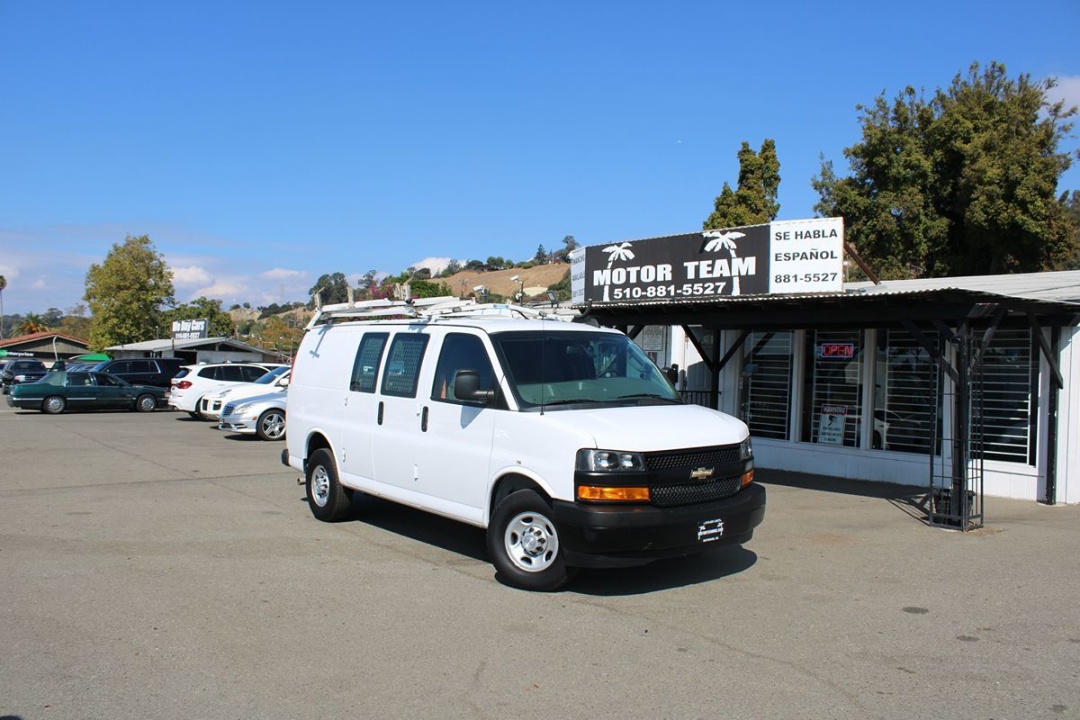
column 563, row 440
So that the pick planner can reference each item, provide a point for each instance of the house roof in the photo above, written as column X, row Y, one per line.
column 164, row 344
column 34, row 337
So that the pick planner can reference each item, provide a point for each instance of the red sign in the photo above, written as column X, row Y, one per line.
column 836, row 351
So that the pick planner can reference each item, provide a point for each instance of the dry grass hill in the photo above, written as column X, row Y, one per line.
column 536, row 279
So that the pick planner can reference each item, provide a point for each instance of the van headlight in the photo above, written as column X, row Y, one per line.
column 746, row 450
column 610, row 461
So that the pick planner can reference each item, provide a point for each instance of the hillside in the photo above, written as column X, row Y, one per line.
column 537, row 280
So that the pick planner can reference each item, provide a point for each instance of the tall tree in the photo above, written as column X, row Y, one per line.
column 126, row 293
column 220, row 322
column 1071, row 202
column 754, row 201
column 332, row 288
column 962, row 184
column 32, row 323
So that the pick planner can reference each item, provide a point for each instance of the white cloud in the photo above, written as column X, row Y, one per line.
column 192, row 275
column 435, row 264
column 282, row 274
column 39, row 284
column 1067, row 89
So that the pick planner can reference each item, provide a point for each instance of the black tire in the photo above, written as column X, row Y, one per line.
column 198, row 414
column 194, row 415
column 145, row 403
column 326, row 497
column 523, row 543
column 53, row 405
column 271, row 425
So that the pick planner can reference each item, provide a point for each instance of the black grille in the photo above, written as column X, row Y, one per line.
column 691, row 493
column 690, row 459
column 228, row 410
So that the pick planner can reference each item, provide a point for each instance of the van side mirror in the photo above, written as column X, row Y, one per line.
column 467, row 388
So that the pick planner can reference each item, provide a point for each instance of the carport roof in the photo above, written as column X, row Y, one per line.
column 1053, row 297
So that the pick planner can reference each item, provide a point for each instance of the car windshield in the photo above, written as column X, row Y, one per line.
column 560, row 368
column 271, row 377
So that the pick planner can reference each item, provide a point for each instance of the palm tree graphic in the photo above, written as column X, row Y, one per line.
column 725, row 241
column 616, row 252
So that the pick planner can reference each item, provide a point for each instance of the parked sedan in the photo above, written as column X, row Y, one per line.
column 262, row 415
column 63, row 390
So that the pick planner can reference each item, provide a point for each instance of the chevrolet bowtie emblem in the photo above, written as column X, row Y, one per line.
column 702, row 473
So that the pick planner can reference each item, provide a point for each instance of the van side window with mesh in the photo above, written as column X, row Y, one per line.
column 403, row 365
column 365, row 371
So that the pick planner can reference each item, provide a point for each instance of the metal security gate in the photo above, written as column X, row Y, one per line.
column 955, row 492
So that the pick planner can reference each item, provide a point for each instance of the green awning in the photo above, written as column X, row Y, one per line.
column 92, row 357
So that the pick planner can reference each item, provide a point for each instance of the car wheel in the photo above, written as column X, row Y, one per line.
column 53, row 405
column 327, row 499
column 145, row 403
column 523, row 543
column 198, row 414
column 271, row 425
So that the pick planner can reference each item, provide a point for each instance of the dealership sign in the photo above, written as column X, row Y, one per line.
column 794, row 256
column 190, row 329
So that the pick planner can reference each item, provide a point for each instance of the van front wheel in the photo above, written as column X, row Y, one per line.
column 326, row 497
column 523, row 543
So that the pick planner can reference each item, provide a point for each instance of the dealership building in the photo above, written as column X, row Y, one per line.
column 967, row 386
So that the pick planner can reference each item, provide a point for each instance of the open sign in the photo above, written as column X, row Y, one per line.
column 836, row 351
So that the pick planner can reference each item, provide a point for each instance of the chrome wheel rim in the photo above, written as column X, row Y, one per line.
column 320, row 486
column 54, row 405
column 273, row 425
column 531, row 542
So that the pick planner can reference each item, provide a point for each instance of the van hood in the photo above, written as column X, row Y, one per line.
column 653, row 427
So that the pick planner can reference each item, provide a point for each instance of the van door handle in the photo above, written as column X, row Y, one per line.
column 423, row 420
column 379, row 417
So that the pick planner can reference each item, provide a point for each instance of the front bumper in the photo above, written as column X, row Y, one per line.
column 622, row 536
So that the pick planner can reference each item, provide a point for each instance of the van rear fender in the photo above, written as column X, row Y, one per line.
column 316, row 441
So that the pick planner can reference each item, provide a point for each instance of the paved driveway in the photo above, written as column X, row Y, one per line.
column 151, row 567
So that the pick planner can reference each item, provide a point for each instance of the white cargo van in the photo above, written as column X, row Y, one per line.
column 563, row 440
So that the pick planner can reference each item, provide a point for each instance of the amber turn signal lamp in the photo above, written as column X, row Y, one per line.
column 597, row 493
column 747, row 478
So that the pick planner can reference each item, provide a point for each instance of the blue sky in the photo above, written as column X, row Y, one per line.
column 262, row 144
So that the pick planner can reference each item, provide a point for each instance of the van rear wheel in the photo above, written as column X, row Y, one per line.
column 328, row 500
column 523, row 543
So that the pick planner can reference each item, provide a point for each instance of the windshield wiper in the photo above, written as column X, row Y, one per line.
column 649, row 396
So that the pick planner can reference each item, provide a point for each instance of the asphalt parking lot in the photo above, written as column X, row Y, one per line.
column 151, row 567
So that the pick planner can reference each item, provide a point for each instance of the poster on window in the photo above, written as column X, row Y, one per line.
column 832, row 424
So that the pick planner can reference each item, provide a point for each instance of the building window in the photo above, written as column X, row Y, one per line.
column 832, row 385
column 1008, row 377
column 765, row 385
column 907, row 397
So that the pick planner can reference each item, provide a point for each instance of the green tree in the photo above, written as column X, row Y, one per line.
column 754, row 201
column 221, row 323
column 541, row 254
column 332, row 288
column 280, row 333
column 126, row 292
column 1071, row 203
column 75, row 323
column 32, row 323
column 962, row 184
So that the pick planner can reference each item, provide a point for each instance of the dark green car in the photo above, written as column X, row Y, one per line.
column 62, row 390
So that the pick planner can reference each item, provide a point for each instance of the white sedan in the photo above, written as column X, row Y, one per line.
column 262, row 415
column 213, row 403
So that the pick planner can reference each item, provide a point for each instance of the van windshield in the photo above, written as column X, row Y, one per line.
column 547, row 369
